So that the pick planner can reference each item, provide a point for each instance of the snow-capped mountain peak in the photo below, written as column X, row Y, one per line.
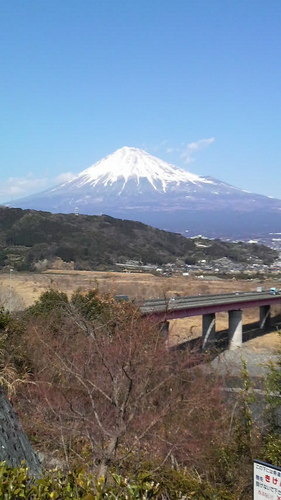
column 132, row 163
column 132, row 184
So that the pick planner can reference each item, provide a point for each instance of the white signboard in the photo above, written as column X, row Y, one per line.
column 267, row 481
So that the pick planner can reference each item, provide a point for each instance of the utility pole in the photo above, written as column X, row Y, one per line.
column 10, row 288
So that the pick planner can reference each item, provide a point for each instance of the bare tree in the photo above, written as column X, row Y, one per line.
column 112, row 383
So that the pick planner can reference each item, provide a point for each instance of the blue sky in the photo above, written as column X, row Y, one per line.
column 195, row 82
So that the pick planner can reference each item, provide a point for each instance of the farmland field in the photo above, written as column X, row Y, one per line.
column 19, row 290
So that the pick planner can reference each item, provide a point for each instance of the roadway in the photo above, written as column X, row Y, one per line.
column 180, row 307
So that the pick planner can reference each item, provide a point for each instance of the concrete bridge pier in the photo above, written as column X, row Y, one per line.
column 235, row 333
column 208, row 330
column 265, row 317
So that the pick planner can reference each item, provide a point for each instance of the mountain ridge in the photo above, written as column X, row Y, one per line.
column 29, row 237
column 132, row 184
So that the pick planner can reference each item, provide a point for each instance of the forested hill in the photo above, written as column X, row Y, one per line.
column 28, row 237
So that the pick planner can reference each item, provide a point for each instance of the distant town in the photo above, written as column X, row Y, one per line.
column 215, row 269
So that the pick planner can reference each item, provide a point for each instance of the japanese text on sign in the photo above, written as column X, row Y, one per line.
column 267, row 481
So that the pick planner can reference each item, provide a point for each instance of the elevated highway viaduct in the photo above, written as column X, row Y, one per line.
column 207, row 306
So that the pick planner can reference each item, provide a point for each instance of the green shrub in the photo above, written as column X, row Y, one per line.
column 271, row 450
column 48, row 302
column 5, row 318
column 89, row 305
column 15, row 483
column 182, row 484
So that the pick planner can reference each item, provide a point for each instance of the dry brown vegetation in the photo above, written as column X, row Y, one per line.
column 106, row 393
column 27, row 287
column 136, row 285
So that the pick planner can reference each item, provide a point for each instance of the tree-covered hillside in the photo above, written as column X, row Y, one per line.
column 28, row 237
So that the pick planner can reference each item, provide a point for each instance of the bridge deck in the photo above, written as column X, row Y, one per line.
column 182, row 307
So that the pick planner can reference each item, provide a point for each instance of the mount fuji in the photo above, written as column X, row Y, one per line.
column 132, row 184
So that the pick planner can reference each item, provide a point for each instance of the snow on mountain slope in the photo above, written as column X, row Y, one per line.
column 132, row 163
column 131, row 178
column 132, row 184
